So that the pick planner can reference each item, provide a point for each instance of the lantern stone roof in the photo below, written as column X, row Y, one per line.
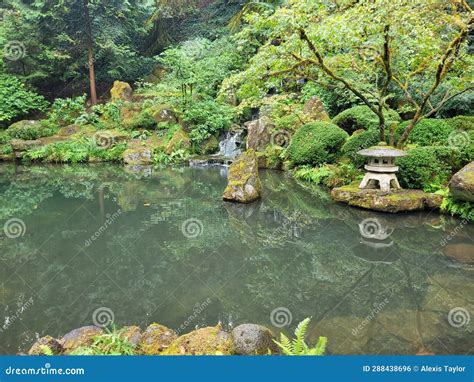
column 382, row 150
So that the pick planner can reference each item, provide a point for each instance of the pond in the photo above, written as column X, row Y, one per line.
column 141, row 245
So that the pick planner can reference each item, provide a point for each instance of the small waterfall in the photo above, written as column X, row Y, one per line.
column 230, row 146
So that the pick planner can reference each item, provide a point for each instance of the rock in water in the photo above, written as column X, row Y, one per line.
column 79, row 337
column 121, row 91
column 243, row 182
column 462, row 183
column 251, row 339
column 156, row 339
column 45, row 345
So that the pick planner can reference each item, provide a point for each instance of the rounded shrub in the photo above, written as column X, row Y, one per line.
column 425, row 167
column 361, row 117
column 316, row 143
column 427, row 132
column 461, row 122
column 359, row 141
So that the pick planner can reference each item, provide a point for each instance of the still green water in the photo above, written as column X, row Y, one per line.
column 147, row 245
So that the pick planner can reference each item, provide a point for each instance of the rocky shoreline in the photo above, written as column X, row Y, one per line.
column 156, row 339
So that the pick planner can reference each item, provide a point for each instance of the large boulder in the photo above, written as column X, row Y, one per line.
column 259, row 133
column 394, row 201
column 163, row 113
column 156, row 339
column 67, row 131
column 243, row 182
column 314, row 110
column 462, row 183
column 81, row 337
column 204, row 341
column 251, row 339
column 46, row 346
column 121, row 91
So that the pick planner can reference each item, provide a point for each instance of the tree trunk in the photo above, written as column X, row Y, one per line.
column 90, row 53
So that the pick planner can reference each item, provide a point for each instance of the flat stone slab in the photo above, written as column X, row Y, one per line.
column 393, row 201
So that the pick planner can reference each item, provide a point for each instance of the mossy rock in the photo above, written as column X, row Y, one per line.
column 156, row 339
column 121, row 91
column 46, row 346
column 244, row 184
column 394, row 201
column 138, row 156
column 81, row 337
column 132, row 334
column 205, row 341
column 128, row 113
column 271, row 158
column 179, row 140
column 462, row 184
column 163, row 113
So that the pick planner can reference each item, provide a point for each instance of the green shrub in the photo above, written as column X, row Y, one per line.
column 357, row 142
column 65, row 111
column 316, row 144
column 427, row 132
column 361, row 117
column 207, row 118
column 329, row 175
column 17, row 99
column 30, row 130
column 428, row 167
column 461, row 122
column 298, row 345
column 144, row 120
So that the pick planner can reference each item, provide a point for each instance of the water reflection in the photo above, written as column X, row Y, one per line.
column 386, row 286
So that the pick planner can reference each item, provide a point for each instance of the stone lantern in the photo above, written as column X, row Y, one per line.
column 381, row 169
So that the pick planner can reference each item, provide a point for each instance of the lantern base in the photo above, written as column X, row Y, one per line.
column 377, row 180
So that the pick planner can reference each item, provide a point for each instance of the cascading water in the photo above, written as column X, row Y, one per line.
column 230, row 146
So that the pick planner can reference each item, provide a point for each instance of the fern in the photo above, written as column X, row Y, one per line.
column 298, row 346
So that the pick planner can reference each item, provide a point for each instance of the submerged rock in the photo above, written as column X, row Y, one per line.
column 45, row 345
column 205, row 341
column 243, row 182
column 156, row 339
column 394, row 201
column 252, row 339
column 462, row 183
column 121, row 91
column 460, row 252
column 79, row 337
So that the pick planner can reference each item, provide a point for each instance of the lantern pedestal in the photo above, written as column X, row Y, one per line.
column 385, row 181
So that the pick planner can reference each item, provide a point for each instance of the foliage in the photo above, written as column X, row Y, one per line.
column 298, row 346
column 17, row 99
column 455, row 207
column 428, row 167
column 80, row 150
column 111, row 343
column 143, row 120
column 361, row 117
column 427, row 132
column 316, row 144
column 334, row 97
column 66, row 111
column 461, row 122
column 206, row 118
column 357, row 142
column 30, row 131
column 329, row 175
